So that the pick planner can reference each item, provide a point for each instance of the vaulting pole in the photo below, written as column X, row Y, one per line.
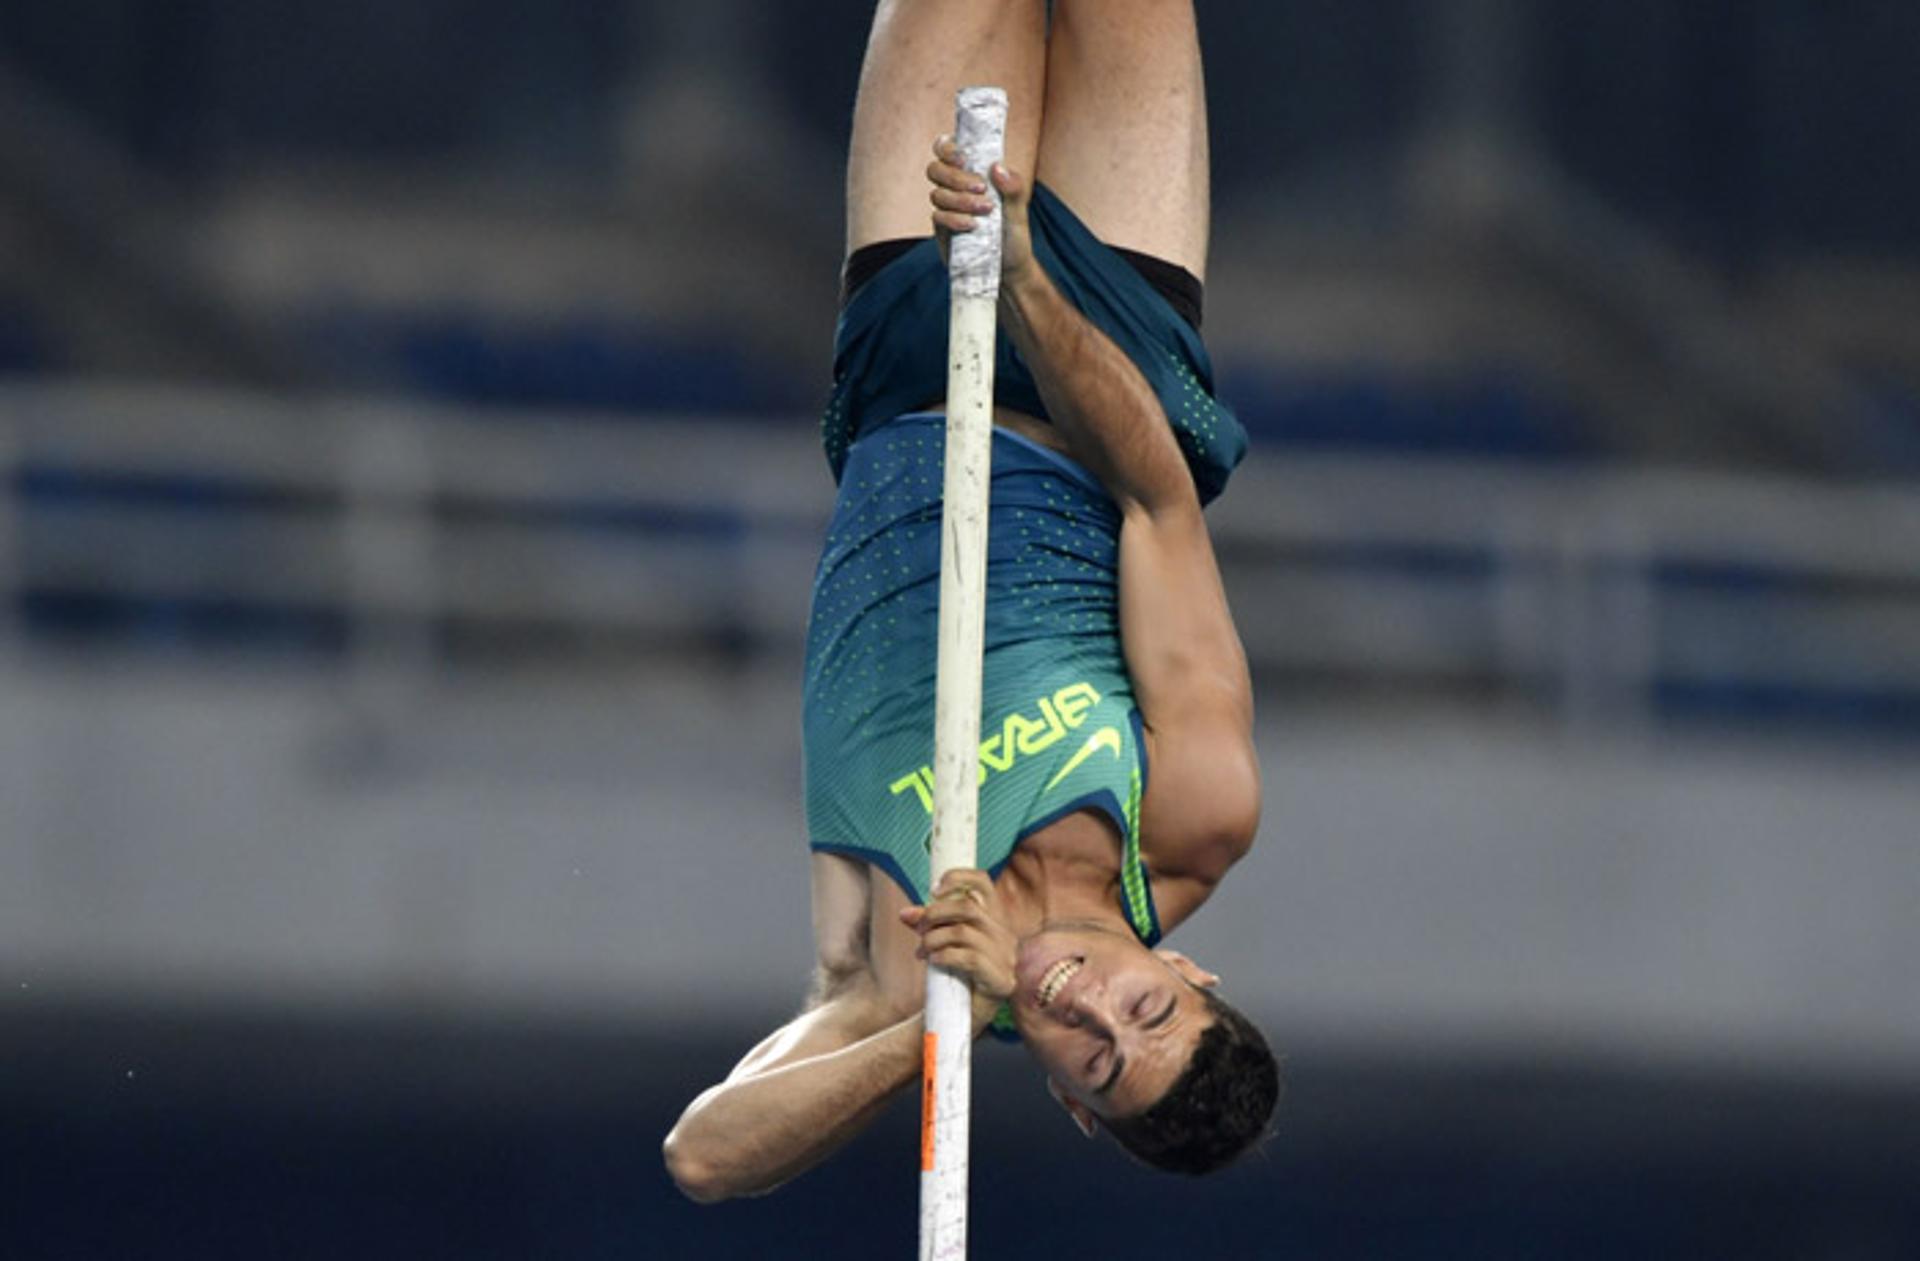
column 974, row 271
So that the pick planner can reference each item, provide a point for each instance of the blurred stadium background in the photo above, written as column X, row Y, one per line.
column 408, row 495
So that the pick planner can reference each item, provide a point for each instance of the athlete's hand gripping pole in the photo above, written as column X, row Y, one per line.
column 974, row 271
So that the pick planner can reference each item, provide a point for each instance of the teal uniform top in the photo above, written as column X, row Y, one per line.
column 1059, row 728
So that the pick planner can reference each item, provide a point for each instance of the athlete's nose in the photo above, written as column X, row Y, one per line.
column 1093, row 1005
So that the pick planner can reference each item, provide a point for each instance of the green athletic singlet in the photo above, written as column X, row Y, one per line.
column 1059, row 727
column 1059, row 730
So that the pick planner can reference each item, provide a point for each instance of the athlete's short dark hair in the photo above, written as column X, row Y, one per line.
column 1219, row 1107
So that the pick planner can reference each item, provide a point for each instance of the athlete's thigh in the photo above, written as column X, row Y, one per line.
column 1123, row 137
column 919, row 53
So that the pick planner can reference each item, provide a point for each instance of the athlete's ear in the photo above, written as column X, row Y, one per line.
column 1189, row 971
column 1082, row 1115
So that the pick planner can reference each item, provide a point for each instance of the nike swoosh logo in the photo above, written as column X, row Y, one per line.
column 1107, row 738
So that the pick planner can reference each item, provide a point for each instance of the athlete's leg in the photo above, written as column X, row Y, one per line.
column 918, row 54
column 1123, row 136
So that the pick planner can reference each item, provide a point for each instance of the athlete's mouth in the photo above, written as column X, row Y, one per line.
column 1056, row 977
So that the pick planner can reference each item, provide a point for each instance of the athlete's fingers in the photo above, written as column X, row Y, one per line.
column 935, row 940
column 963, row 877
column 933, row 937
column 954, row 959
column 981, row 975
column 1009, row 182
column 936, row 945
column 950, row 222
column 949, row 906
column 952, row 915
column 946, row 152
column 958, row 195
column 955, row 178
column 965, row 200
column 968, row 965
column 960, row 202
column 962, row 883
column 965, row 906
column 961, row 953
column 962, row 905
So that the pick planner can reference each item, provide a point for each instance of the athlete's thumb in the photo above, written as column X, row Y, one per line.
column 1012, row 186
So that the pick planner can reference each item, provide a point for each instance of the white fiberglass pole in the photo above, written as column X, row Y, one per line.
column 974, row 270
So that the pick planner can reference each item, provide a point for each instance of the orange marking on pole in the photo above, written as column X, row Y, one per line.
column 928, row 1047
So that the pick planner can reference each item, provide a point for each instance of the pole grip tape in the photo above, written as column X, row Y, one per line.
column 980, row 133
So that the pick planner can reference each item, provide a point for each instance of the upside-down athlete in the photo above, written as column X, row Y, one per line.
column 1118, row 775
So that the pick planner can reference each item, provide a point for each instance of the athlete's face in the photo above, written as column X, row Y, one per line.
column 1112, row 1022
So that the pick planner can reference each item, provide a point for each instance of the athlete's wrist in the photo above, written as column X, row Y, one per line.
column 1024, row 289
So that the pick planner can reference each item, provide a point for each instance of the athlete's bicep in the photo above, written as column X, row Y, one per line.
column 1190, row 679
column 1176, row 631
column 826, row 1026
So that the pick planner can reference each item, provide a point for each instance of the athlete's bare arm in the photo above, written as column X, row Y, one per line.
column 1123, row 140
column 1188, row 668
column 1183, row 653
column 824, row 1076
column 802, row 1093
column 814, row 1082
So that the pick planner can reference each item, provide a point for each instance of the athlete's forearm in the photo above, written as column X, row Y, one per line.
column 1096, row 397
column 749, row 1134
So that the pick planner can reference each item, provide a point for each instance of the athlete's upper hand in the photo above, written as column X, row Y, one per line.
column 959, row 196
column 963, row 929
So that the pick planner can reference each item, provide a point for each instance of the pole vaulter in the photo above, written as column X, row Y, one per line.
column 1109, row 781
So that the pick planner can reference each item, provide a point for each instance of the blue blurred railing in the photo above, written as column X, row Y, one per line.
column 203, row 522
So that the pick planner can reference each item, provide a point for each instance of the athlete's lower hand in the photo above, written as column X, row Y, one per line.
column 960, row 198
column 963, row 929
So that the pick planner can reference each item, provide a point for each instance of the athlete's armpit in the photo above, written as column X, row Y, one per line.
column 842, row 911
